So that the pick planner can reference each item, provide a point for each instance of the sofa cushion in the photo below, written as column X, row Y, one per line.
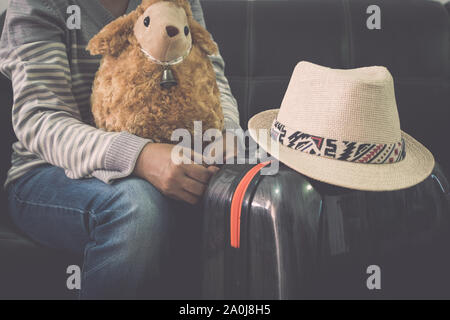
column 269, row 37
column 27, row 270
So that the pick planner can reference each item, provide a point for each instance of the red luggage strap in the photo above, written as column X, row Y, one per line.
column 236, row 203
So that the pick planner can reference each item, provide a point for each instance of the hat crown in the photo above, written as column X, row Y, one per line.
column 346, row 105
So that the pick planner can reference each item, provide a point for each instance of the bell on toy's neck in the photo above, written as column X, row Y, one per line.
column 168, row 80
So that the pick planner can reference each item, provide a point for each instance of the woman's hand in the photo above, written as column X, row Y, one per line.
column 186, row 182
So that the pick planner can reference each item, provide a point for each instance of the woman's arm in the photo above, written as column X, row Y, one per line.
column 45, row 115
column 229, row 104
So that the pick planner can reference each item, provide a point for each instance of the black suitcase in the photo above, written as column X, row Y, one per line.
column 297, row 238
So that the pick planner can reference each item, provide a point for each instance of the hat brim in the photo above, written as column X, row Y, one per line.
column 413, row 169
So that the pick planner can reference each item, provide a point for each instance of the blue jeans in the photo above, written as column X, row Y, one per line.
column 124, row 230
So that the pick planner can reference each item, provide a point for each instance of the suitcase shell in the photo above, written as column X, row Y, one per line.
column 300, row 238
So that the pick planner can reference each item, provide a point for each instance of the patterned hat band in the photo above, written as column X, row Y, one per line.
column 338, row 150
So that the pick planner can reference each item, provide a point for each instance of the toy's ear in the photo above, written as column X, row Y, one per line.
column 114, row 37
column 202, row 38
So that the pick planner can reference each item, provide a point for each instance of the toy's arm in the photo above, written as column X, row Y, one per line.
column 229, row 103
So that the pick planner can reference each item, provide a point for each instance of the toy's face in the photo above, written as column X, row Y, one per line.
column 163, row 31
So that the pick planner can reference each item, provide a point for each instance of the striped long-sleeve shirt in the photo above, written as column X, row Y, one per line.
column 52, row 75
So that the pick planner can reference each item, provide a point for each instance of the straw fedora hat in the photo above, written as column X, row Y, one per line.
column 342, row 127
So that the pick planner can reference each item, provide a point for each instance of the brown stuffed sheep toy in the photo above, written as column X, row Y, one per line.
column 155, row 75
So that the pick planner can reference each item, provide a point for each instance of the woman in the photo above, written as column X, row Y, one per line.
column 108, row 196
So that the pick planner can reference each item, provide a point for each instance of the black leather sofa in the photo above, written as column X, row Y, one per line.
column 261, row 41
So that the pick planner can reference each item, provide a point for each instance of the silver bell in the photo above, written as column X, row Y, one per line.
column 168, row 80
